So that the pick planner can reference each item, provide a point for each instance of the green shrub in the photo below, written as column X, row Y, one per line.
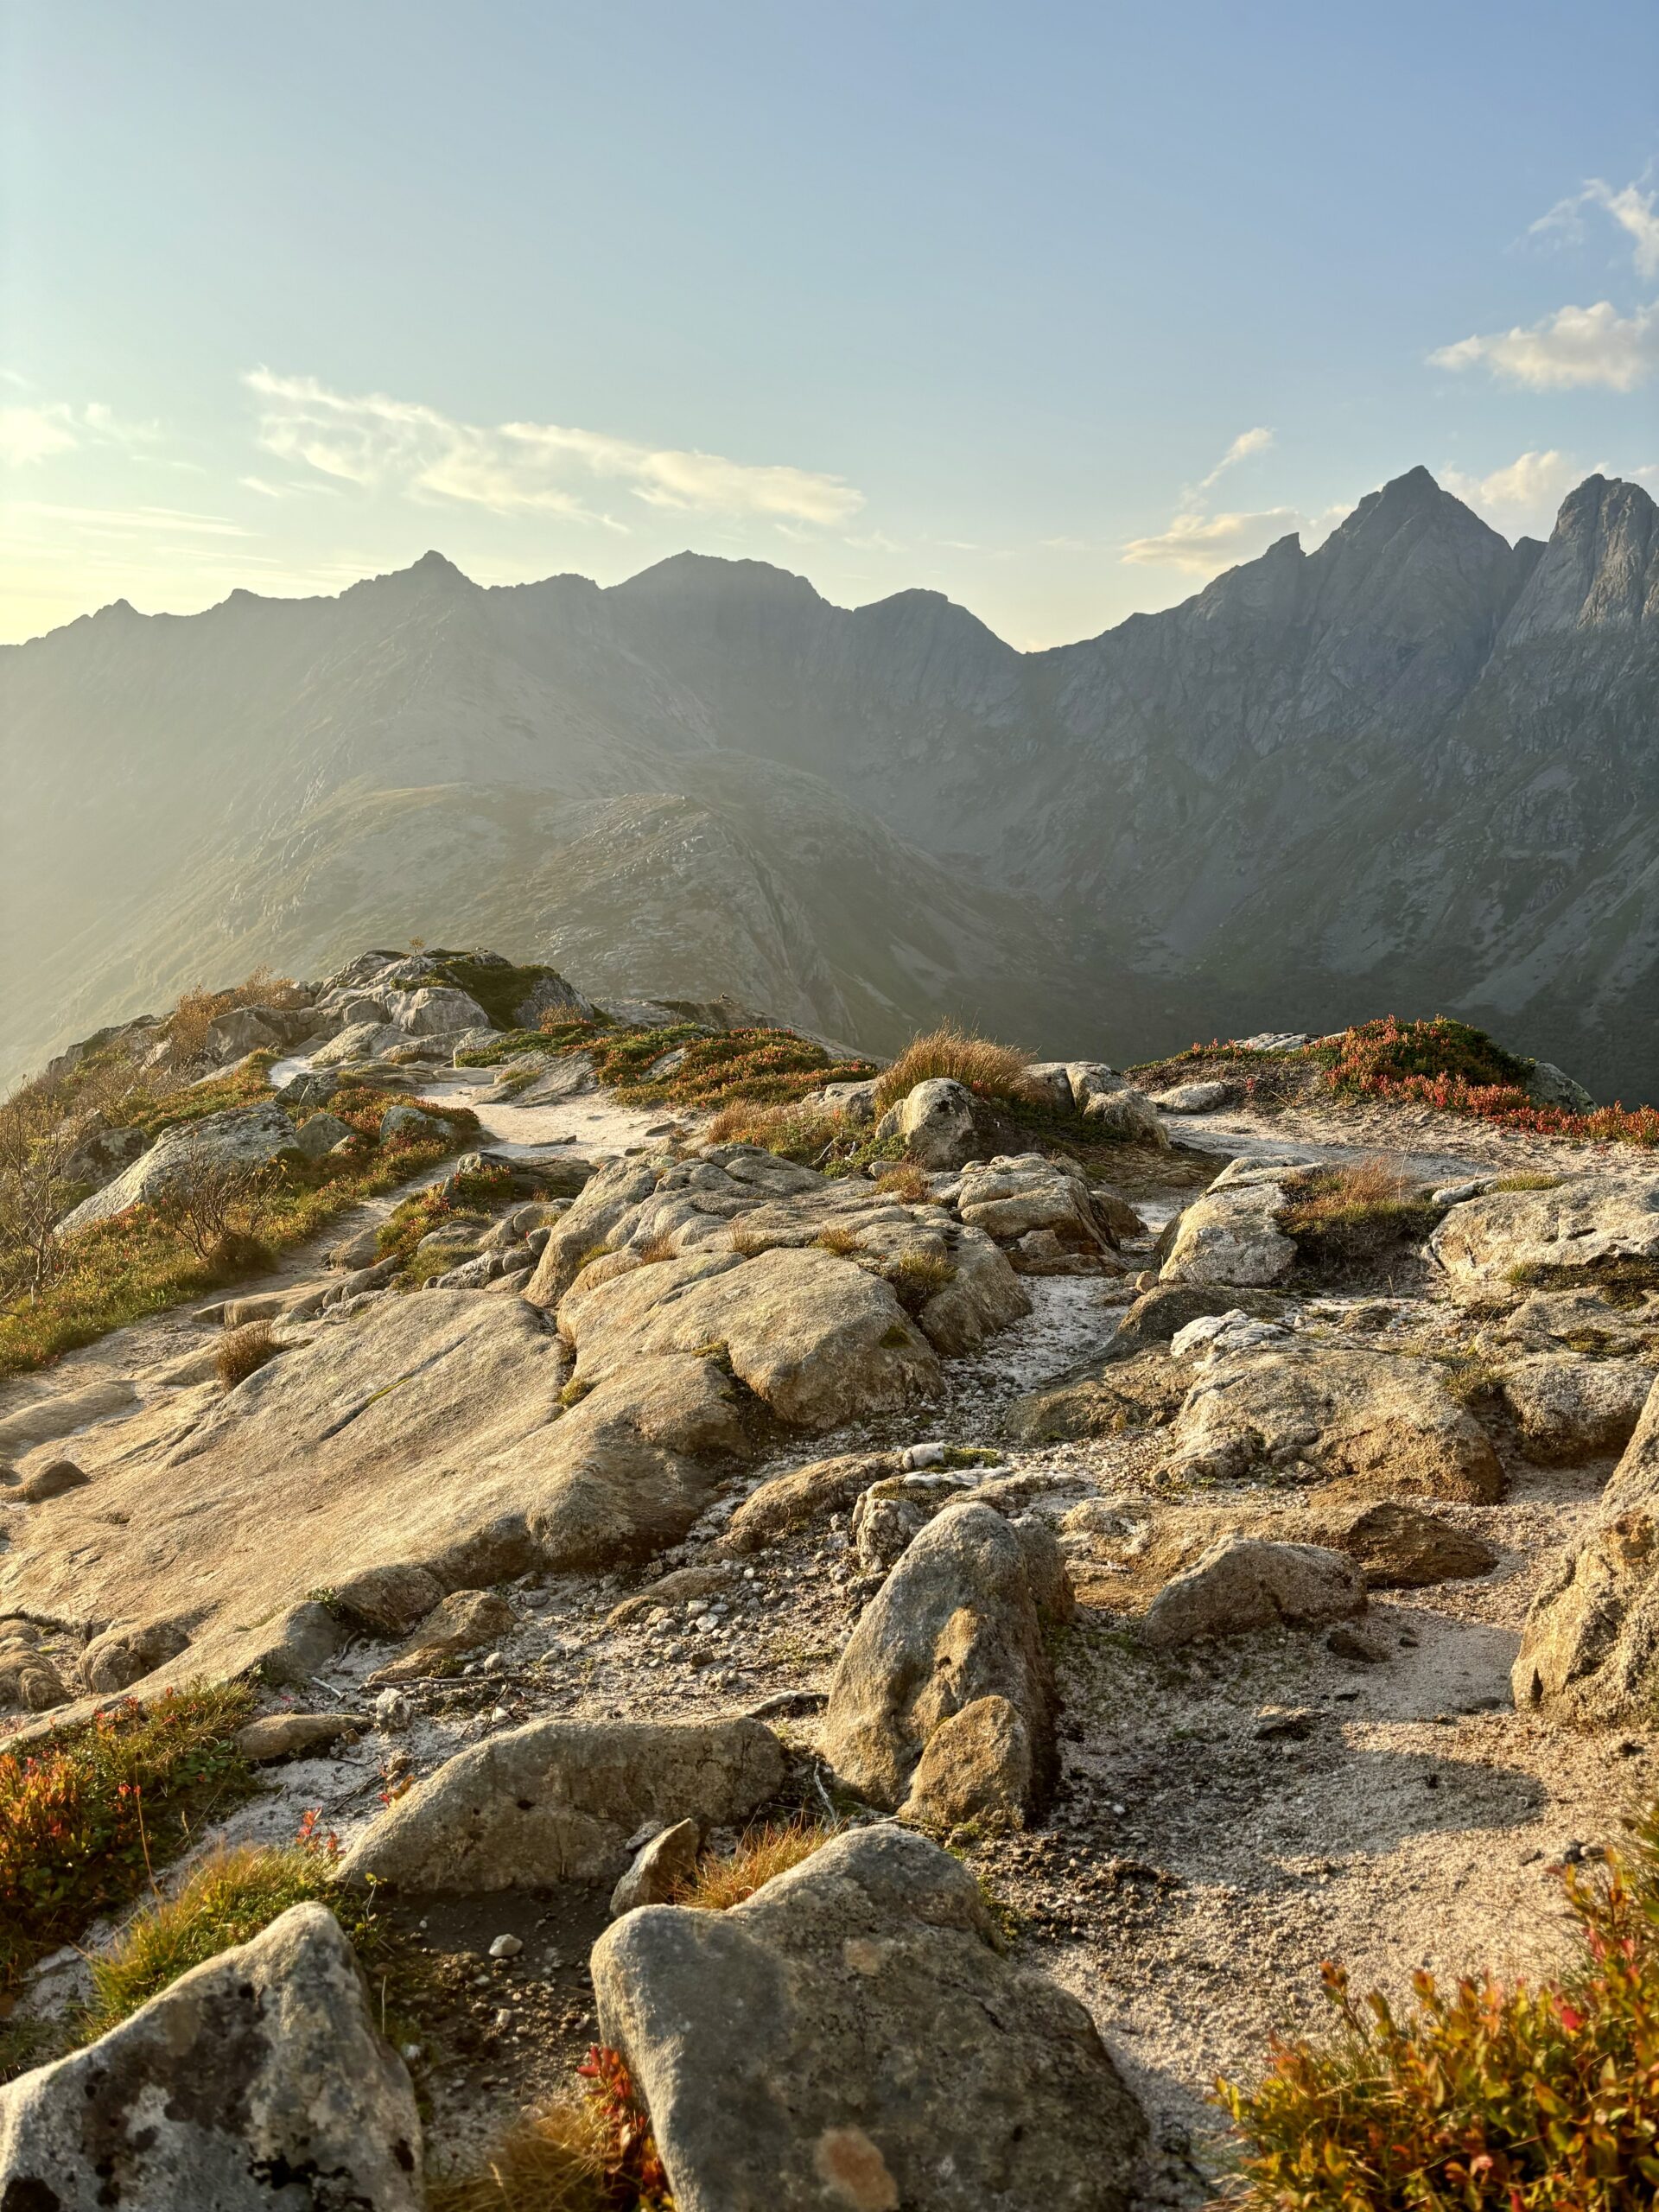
column 1519, row 2097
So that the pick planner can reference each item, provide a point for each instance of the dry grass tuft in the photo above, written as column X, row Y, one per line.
column 245, row 1350
column 794, row 1132
column 908, row 1183
column 838, row 1239
column 658, row 1248
column 915, row 1276
column 772, row 1848
column 552, row 2162
column 1369, row 1186
column 993, row 1070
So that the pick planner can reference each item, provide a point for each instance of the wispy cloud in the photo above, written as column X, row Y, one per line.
column 1204, row 544
column 1631, row 209
column 35, row 431
column 1246, row 444
column 1574, row 346
column 521, row 467
column 127, row 521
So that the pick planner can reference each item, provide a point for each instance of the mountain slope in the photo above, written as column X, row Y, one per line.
column 1417, row 767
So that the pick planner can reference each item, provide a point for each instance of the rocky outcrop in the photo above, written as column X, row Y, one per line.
column 556, row 1801
column 1584, row 1222
column 960, row 1620
column 245, row 1136
column 1231, row 1234
column 1383, row 1418
column 850, row 2036
column 254, row 2079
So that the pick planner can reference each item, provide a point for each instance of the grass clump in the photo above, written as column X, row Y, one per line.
column 1341, row 1217
column 589, row 2151
column 1525, row 1183
column 908, row 1182
column 86, row 1816
column 801, row 1133
column 915, row 1277
column 245, row 1350
column 1623, row 1280
column 839, row 1239
column 428, row 1210
column 990, row 1070
column 1487, row 2097
column 725, row 1879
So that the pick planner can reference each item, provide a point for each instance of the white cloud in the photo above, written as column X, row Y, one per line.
column 520, row 468
column 106, row 522
column 1574, row 346
column 31, row 432
column 1631, row 209
column 1532, row 482
column 1207, row 543
column 1246, row 444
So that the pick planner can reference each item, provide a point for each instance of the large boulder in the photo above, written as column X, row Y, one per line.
column 1242, row 1583
column 368, row 1040
column 244, row 1136
column 1549, row 1085
column 435, row 1010
column 1384, row 1419
column 1010, row 1198
column 1127, row 1115
column 557, row 1801
column 962, row 1618
column 849, row 2039
column 1568, row 1409
column 1231, row 1234
column 939, row 1122
column 1402, row 1548
column 1591, row 1645
column 254, row 2080
column 1583, row 1222
column 816, row 1337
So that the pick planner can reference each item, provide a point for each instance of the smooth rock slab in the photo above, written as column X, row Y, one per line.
column 556, row 1801
column 849, row 2040
column 255, row 2083
column 1578, row 1223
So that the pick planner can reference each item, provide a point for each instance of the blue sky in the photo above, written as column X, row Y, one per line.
column 929, row 292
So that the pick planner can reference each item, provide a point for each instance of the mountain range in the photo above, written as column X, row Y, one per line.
column 1416, row 770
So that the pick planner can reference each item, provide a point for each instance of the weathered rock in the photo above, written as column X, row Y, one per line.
column 1383, row 1418
column 1552, row 1086
column 1009, row 1197
column 360, row 1040
column 1401, row 1548
column 31, row 1679
column 1143, row 1392
column 129, row 1651
column 1159, row 1315
column 254, row 2080
column 242, row 1030
column 435, row 1009
column 465, row 1621
column 1591, row 1644
column 409, row 1123
column 817, row 1338
column 855, row 1102
column 296, row 1735
column 556, row 1801
column 1128, row 1114
column 805, row 1495
column 102, row 1155
column 388, row 1601
column 939, row 1123
column 1568, row 1409
column 1191, row 1098
column 1092, row 1079
column 321, row 1134
column 849, row 2040
column 1231, row 1234
column 978, row 1766
column 614, row 1192
column 52, row 1481
column 657, row 1869
column 245, row 1136
column 1582, row 1222
column 1242, row 1584
column 551, row 994
column 960, row 1617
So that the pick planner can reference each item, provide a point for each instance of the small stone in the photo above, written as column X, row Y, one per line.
column 393, row 1709
column 291, row 1735
column 52, row 1481
column 1348, row 1642
column 505, row 1946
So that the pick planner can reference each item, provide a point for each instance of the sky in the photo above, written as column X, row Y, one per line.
column 1057, row 309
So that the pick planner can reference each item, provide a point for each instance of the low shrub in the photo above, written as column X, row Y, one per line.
column 990, row 1070
column 725, row 1879
column 590, row 2151
column 424, row 1210
column 1517, row 2096
column 88, row 1814
column 244, row 1351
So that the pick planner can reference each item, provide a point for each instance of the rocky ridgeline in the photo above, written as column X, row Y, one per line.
column 1141, row 1503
